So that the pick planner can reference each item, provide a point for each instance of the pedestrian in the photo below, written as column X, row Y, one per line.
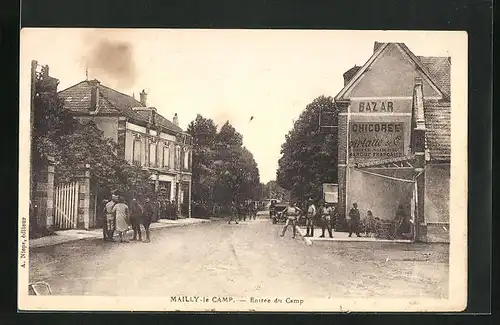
column 254, row 210
column 147, row 217
column 403, row 227
column 233, row 215
column 174, row 210
column 136, row 213
column 122, row 221
column 311, row 214
column 369, row 224
column 354, row 220
column 291, row 212
column 102, row 218
column 326, row 213
column 110, row 218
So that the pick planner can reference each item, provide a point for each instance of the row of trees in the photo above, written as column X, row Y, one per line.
column 309, row 153
column 223, row 169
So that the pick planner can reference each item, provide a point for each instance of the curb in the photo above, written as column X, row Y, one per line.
column 70, row 240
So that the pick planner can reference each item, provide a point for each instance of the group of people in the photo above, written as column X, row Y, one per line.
column 120, row 218
column 168, row 209
column 401, row 227
column 325, row 215
column 240, row 211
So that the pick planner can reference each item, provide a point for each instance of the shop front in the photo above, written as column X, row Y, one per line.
column 383, row 147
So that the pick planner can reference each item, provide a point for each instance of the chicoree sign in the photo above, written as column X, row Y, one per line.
column 375, row 140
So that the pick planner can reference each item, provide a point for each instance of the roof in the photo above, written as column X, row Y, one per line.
column 438, row 129
column 77, row 99
column 437, row 113
column 439, row 68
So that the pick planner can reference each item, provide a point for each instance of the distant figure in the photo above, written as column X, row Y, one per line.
column 102, row 217
column 136, row 213
column 403, row 227
column 121, row 212
column 354, row 220
column 369, row 224
column 311, row 214
column 292, row 213
column 147, row 217
column 233, row 215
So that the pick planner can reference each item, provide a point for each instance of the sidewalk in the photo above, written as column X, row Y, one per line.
column 65, row 236
column 342, row 237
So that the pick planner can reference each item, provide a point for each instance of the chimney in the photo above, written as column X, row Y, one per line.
column 175, row 120
column 350, row 73
column 94, row 95
column 143, row 98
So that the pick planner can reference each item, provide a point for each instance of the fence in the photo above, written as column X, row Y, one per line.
column 66, row 198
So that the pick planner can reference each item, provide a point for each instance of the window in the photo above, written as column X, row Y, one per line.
column 166, row 155
column 152, row 154
column 178, row 157
column 186, row 159
column 137, row 150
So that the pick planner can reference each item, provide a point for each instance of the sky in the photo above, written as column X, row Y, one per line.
column 225, row 75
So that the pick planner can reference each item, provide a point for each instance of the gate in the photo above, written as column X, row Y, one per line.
column 66, row 206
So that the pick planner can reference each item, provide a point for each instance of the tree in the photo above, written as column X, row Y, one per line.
column 223, row 170
column 309, row 154
column 275, row 191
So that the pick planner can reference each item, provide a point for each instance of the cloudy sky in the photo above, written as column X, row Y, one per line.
column 221, row 74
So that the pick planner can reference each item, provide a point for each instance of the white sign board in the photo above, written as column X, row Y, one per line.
column 331, row 193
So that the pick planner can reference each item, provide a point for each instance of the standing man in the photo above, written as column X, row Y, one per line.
column 136, row 213
column 354, row 220
column 148, row 217
column 110, row 218
column 291, row 212
column 233, row 215
column 311, row 214
column 327, row 219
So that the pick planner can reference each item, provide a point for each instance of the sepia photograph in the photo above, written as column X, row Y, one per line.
column 242, row 170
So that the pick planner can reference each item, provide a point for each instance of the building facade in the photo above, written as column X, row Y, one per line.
column 145, row 138
column 394, row 138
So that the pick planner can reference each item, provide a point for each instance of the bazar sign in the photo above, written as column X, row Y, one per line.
column 381, row 106
column 369, row 140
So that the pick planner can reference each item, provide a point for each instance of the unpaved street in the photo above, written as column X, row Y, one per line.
column 240, row 260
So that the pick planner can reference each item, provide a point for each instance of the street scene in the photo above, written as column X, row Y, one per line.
column 244, row 260
column 190, row 164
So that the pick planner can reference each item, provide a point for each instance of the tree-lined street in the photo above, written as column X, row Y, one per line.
column 246, row 259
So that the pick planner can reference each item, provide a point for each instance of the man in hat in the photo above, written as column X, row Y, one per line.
column 110, row 217
column 327, row 218
column 136, row 213
column 311, row 214
column 354, row 220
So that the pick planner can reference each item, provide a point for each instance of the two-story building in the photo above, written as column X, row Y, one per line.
column 394, row 138
column 145, row 138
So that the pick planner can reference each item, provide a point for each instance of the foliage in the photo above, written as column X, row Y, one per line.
column 309, row 154
column 223, row 170
column 272, row 190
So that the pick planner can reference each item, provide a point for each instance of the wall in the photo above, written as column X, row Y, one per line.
column 391, row 74
column 437, row 193
column 380, row 195
column 107, row 124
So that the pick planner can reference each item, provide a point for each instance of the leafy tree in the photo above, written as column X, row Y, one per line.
column 275, row 191
column 223, row 170
column 309, row 154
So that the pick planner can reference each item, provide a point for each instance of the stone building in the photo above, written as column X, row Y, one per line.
column 394, row 138
column 145, row 138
